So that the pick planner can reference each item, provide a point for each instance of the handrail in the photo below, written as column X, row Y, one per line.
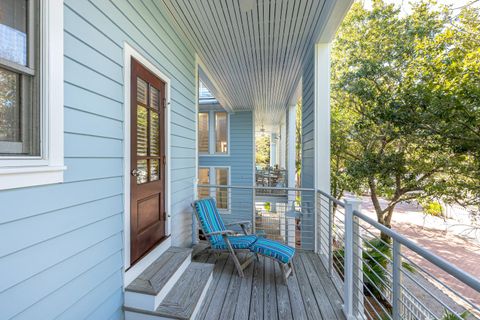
column 443, row 264
column 228, row 186
column 334, row 200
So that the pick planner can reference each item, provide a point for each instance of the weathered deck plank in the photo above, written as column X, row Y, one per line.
column 311, row 306
column 261, row 294
column 319, row 292
column 283, row 300
column 256, row 299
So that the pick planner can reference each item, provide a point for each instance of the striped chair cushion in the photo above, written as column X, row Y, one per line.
column 273, row 249
column 237, row 242
column 210, row 218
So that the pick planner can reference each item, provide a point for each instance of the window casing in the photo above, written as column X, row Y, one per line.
column 220, row 176
column 31, row 93
column 213, row 133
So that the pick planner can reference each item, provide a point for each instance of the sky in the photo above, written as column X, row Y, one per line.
column 406, row 3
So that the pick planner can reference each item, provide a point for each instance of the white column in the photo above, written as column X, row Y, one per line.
column 273, row 149
column 291, row 145
column 283, row 146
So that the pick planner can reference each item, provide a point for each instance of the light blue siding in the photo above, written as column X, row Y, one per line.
column 308, row 147
column 62, row 245
column 241, row 165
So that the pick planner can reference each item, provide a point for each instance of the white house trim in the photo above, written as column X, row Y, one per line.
column 130, row 52
column 17, row 172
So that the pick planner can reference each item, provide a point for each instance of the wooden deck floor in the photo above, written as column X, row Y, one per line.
column 263, row 295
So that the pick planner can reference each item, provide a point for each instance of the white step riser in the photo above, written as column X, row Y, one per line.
column 131, row 315
column 151, row 302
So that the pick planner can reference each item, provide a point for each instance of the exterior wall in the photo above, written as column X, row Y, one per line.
column 308, row 123
column 241, row 165
column 61, row 254
column 308, row 150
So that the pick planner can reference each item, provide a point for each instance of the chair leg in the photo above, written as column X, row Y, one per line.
column 235, row 258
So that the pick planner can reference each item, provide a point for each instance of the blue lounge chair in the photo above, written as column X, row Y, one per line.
column 222, row 239
column 219, row 237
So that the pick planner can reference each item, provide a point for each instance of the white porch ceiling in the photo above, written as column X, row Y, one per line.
column 253, row 50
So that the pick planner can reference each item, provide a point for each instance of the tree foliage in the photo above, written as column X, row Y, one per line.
column 405, row 105
column 262, row 154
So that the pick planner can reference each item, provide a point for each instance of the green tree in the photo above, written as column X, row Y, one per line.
column 405, row 99
column 298, row 141
column 262, row 146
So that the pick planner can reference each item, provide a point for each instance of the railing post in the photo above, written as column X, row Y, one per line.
column 396, row 280
column 353, row 274
column 330, row 236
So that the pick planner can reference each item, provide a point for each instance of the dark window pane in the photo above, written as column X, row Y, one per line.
column 142, row 171
column 154, row 98
column 141, row 91
column 221, row 132
column 203, row 178
column 13, row 30
column 222, row 193
column 154, row 170
column 142, row 139
column 203, row 132
column 154, row 134
column 10, row 125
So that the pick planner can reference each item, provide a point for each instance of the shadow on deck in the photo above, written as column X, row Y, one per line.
column 310, row 293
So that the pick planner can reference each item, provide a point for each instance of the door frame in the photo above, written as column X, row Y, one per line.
column 130, row 274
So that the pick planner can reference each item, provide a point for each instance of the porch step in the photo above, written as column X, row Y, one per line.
column 149, row 289
column 185, row 298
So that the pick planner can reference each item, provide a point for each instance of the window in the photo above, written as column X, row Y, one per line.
column 221, row 132
column 19, row 78
column 203, row 132
column 31, row 92
column 213, row 132
column 221, row 176
column 222, row 193
column 203, row 178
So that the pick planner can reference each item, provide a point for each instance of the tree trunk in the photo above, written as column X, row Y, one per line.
column 387, row 222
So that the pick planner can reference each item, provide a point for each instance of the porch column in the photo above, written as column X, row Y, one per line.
column 283, row 146
column 291, row 146
column 322, row 136
column 273, row 149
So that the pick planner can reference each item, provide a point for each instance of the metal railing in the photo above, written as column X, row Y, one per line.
column 283, row 214
column 383, row 275
column 379, row 273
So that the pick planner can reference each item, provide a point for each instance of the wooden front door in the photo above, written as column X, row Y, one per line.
column 147, row 179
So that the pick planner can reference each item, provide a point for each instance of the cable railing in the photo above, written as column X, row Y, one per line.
column 383, row 275
column 379, row 273
column 283, row 214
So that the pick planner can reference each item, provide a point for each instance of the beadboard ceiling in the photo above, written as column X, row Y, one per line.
column 253, row 50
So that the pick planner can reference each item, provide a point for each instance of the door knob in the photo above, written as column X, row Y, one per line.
column 135, row 173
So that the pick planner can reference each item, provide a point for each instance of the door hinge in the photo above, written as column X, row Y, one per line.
column 164, row 160
column 164, row 103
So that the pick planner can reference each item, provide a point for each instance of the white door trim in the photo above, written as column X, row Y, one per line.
column 130, row 52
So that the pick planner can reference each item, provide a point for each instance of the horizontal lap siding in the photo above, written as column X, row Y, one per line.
column 240, row 162
column 61, row 254
column 308, row 146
